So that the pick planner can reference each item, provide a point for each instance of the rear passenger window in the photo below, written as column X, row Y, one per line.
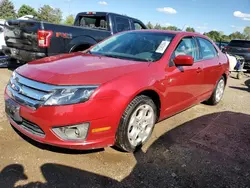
column 122, row 24
column 138, row 26
column 207, row 49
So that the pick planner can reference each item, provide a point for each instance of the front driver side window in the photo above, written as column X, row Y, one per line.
column 187, row 46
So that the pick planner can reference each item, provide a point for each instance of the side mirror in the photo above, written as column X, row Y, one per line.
column 184, row 60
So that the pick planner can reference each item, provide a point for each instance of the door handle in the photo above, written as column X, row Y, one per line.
column 199, row 70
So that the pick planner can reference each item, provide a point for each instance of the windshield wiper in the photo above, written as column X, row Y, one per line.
column 127, row 58
column 114, row 56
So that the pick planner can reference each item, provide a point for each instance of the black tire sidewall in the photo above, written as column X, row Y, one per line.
column 214, row 101
column 122, row 140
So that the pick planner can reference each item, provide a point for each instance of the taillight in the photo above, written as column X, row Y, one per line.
column 43, row 38
column 249, row 49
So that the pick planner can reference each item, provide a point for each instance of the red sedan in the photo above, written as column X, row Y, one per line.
column 114, row 93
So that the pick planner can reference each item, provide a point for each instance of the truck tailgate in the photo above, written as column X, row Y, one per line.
column 22, row 34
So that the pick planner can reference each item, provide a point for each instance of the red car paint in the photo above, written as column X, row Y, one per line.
column 120, row 81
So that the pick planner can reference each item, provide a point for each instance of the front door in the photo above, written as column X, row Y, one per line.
column 183, row 82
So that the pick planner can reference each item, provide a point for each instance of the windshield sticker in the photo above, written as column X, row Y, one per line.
column 162, row 47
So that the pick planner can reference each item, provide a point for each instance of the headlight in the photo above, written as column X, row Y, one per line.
column 74, row 132
column 70, row 96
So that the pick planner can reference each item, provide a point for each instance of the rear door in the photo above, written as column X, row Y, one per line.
column 183, row 81
column 212, row 67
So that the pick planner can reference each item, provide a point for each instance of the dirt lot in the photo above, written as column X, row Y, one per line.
column 205, row 146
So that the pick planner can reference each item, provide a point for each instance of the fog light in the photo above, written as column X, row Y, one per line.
column 74, row 132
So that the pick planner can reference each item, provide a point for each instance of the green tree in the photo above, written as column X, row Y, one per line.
column 225, row 38
column 26, row 10
column 214, row 35
column 49, row 14
column 157, row 26
column 190, row 29
column 237, row 35
column 246, row 32
column 69, row 20
column 7, row 10
column 149, row 25
column 57, row 16
column 173, row 28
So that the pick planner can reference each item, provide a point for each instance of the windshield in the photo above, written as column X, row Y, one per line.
column 137, row 46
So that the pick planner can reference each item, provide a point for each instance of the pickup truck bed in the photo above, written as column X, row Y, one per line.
column 27, row 40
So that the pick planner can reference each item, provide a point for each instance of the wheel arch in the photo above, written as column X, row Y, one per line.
column 80, row 47
column 225, row 77
column 154, row 95
column 80, row 41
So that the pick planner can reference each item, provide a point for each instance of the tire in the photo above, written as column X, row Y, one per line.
column 213, row 100
column 133, row 122
column 240, row 75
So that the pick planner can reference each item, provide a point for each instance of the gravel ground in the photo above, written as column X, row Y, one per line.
column 205, row 146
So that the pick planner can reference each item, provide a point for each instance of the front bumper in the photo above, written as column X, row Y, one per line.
column 99, row 113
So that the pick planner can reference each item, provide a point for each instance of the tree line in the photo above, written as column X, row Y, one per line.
column 214, row 35
column 54, row 15
column 45, row 13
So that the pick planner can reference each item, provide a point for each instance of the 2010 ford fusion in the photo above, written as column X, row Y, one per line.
column 115, row 92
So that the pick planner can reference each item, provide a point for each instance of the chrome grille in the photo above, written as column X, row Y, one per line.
column 28, row 92
column 32, row 93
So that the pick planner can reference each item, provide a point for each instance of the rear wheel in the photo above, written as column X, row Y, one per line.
column 218, row 92
column 240, row 75
column 137, row 124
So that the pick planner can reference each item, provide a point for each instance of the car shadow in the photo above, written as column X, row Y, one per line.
column 210, row 151
column 247, row 83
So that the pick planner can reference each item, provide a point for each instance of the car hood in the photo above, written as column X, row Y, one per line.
column 78, row 69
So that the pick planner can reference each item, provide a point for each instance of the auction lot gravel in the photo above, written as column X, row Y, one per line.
column 204, row 146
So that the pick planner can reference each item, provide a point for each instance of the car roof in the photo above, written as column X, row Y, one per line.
column 179, row 33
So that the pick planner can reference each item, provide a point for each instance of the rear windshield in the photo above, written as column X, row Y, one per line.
column 98, row 22
column 240, row 43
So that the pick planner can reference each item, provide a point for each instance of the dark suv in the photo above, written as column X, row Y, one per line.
column 241, row 48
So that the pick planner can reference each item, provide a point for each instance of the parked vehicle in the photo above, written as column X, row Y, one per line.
column 115, row 92
column 236, row 64
column 221, row 44
column 240, row 48
column 2, row 42
column 30, row 40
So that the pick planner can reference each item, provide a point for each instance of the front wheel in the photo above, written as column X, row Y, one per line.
column 137, row 123
column 218, row 92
